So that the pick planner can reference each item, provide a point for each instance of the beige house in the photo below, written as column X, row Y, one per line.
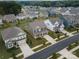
column 38, row 29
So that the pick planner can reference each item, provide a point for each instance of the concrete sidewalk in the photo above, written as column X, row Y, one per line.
column 64, row 52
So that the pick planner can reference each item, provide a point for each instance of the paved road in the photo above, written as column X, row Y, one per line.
column 54, row 48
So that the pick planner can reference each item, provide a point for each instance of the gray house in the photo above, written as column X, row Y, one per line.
column 70, row 20
column 38, row 29
column 9, row 18
column 12, row 35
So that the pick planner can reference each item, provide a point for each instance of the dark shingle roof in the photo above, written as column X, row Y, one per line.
column 9, row 17
column 35, row 24
column 11, row 32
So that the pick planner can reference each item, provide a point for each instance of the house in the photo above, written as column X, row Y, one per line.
column 53, row 11
column 12, row 35
column 20, row 16
column 74, row 10
column 54, row 25
column 38, row 29
column 31, row 11
column 1, row 20
column 43, row 12
column 70, row 20
column 9, row 18
column 64, row 11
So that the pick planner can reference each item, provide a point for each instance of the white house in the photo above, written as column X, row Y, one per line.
column 54, row 25
column 12, row 35
column 20, row 16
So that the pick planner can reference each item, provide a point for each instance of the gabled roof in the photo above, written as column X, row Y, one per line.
column 9, row 17
column 36, row 24
column 55, row 20
column 63, row 9
column 69, row 17
column 11, row 32
column 74, row 10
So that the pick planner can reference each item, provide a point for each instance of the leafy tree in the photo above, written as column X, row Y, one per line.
column 9, row 7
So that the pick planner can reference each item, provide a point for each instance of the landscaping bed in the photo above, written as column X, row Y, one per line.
column 54, row 34
column 43, row 46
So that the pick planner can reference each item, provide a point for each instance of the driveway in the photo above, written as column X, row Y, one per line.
column 26, row 50
column 69, row 34
column 49, row 39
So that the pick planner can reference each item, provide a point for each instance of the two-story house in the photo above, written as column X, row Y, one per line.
column 9, row 18
column 54, row 24
column 12, row 35
column 38, row 29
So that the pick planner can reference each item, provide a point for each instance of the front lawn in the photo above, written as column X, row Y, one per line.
column 55, row 56
column 32, row 42
column 73, row 45
column 76, row 52
column 54, row 34
column 70, row 29
column 43, row 46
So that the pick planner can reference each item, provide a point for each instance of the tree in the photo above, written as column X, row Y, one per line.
column 9, row 7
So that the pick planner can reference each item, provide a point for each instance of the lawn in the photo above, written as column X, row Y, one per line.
column 55, row 56
column 70, row 29
column 32, row 42
column 4, row 53
column 43, row 46
column 54, row 35
column 76, row 52
column 71, row 46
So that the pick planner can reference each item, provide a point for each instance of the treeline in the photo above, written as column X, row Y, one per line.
column 52, row 3
column 9, row 8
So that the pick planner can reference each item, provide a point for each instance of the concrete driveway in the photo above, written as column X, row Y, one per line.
column 49, row 39
column 26, row 50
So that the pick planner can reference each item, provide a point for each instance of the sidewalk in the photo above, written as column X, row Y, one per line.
column 67, row 54
column 64, row 52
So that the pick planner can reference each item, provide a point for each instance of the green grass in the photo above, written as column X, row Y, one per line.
column 55, row 56
column 61, row 38
column 54, row 35
column 20, row 57
column 42, row 47
column 73, row 45
column 32, row 42
column 76, row 52
column 4, row 53
column 70, row 29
